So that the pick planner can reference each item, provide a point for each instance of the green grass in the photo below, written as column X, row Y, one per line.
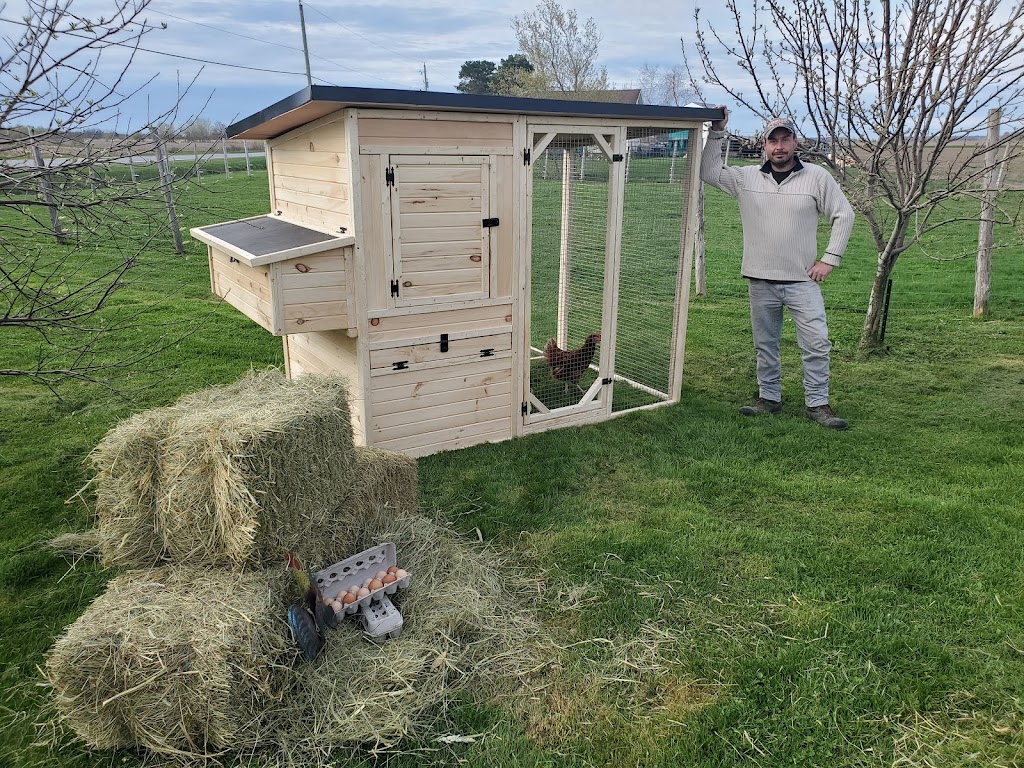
column 728, row 591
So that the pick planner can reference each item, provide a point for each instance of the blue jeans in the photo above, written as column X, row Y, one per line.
column 807, row 308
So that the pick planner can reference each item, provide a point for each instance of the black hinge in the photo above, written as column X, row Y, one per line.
column 606, row 381
column 526, row 408
column 526, row 157
column 389, row 177
column 232, row 260
column 487, row 352
column 616, row 158
column 401, row 365
column 394, row 287
column 444, row 342
column 491, row 222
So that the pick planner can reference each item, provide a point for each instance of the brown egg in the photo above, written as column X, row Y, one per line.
column 389, row 578
column 392, row 568
column 376, row 584
column 363, row 592
column 380, row 574
column 349, row 598
column 401, row 574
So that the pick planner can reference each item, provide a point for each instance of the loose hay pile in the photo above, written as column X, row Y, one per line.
column 231, row 476
column 189, row 664
column 192, row 662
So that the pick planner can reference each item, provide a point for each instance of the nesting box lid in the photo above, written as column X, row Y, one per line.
column 267, row 239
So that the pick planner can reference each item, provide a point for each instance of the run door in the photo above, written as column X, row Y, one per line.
column 573, row 232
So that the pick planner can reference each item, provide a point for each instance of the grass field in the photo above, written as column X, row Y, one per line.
column 726, row 591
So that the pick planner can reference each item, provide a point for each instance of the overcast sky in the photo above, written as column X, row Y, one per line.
column 375, row 43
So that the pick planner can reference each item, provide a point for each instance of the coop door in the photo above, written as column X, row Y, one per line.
column 440, row 228
column 573, row 204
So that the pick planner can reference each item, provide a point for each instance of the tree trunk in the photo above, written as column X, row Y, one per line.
column 983, row 268
column 871, row 334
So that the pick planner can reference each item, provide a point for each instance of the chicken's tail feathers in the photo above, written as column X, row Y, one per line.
column 550, row 348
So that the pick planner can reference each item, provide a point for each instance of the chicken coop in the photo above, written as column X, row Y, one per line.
column 478, row 267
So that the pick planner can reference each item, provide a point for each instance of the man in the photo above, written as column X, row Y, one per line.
column 780, row 204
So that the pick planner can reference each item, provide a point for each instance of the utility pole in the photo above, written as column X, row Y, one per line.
column 426, row 84
column 305, row 45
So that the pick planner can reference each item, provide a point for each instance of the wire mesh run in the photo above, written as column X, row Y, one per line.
column 570, row 222
column 570, row 218
column 654, row 207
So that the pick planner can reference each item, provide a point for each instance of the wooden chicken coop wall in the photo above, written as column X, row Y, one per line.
column 310, row 175
column 433, row 370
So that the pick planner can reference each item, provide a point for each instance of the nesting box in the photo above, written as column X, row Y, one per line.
column 478, row 267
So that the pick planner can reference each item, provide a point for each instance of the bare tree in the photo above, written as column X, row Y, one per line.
column 58, row 313
column 563, row 55
column 890, row 93
column 670, row 87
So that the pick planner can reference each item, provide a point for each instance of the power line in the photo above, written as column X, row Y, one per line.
column 357, row 34
column 279, row 45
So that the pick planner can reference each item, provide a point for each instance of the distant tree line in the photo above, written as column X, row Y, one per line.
column 196, row 129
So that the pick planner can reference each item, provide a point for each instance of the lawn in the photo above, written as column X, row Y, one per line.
column 725, row 591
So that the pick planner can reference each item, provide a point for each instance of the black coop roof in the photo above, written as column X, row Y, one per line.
column 319, row 100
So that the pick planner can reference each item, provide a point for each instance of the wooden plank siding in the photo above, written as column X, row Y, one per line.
column 465, row 134
column 331, row 353
column 247, row 289
column 304, row 294
column 443, row 406
column 311, row 183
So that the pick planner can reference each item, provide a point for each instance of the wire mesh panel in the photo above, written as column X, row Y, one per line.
column 655, row 198
column 569, row 236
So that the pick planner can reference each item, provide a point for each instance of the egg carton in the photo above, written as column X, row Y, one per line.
column 334, row 580
column 381, row 620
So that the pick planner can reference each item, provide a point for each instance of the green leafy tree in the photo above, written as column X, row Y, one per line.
column 475, row 77
column 512, row 78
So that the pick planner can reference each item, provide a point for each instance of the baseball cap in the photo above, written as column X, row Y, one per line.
column 779, row 122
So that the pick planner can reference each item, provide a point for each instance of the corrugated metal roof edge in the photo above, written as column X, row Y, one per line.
column 399, row 99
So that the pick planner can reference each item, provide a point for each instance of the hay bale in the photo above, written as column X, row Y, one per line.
column 230, row 476
column 127, row 461
column 386, row 487
column 177, row 662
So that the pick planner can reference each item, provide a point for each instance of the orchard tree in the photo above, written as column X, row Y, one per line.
column 890, row 91
column 563, row 54
column 669, row 87
column 72, row 229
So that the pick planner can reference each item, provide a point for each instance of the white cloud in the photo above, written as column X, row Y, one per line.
column 373, row 43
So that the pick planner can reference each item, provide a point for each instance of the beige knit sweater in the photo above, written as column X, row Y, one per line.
column 780, row 221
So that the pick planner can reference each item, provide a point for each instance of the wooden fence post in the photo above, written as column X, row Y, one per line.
column 166, row 181
column 131, row 168
column 245, row 148
column 47, row 192
column 983, row 269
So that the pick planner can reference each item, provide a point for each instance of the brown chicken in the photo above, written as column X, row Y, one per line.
column 569, row 365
